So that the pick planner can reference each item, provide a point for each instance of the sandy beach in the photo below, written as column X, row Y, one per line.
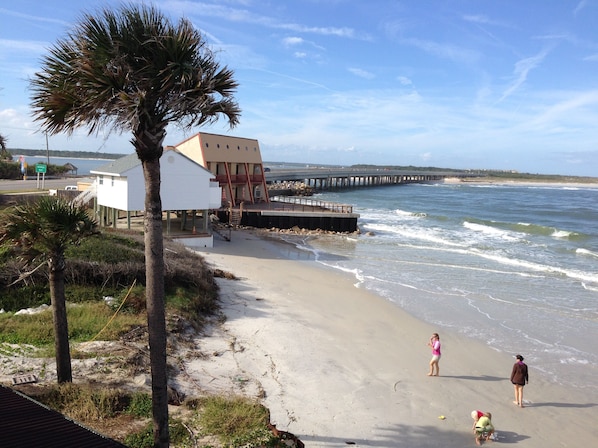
column 339, row 366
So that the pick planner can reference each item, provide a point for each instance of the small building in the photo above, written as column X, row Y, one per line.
column 186, row 187
column 71, row 169
column 235, row 162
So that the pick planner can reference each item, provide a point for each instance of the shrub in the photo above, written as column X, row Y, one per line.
column 140, row 405
column 145, row 438
column 234, row 420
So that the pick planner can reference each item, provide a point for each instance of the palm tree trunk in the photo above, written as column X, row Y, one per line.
column 154, row 290
column 61, row 329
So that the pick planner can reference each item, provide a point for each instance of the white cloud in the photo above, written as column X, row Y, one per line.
column 581, row 5
column 33, row 18
column 521, row 71
column 245, row 16
column 291, row 41
column 36, row 47
column 361, row 73
column 443, row 50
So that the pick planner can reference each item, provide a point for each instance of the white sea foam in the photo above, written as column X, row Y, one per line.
column 582, row 251
column 589, row 287
column 561, row 234
column 537, row 267
column 492, row 231
column 575, row 361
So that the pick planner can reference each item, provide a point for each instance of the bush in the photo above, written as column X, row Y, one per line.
column 82, row 402
column 140, row 405
column 108, row 265
column 235, row 420
column 145, row 438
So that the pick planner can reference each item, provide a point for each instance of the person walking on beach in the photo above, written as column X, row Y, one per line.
column 519, row 378
column 435, row 344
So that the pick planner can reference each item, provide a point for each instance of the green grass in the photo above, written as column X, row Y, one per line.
column 235, row 420
column 107, row 266
column 84, row 403
column 85, row 322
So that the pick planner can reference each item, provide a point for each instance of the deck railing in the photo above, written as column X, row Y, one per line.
column 302, row 203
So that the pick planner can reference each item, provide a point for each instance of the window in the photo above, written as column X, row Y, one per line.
column 101, row 180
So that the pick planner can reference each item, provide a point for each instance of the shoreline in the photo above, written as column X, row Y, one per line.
column 518, row 183
column 336, row 364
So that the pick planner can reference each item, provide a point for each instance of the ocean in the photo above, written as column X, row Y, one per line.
column 513, row 266
column 84, row 166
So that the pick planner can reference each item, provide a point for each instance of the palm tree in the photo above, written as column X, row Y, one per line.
column 134, row 70
column 43, row 230
column 4, row 154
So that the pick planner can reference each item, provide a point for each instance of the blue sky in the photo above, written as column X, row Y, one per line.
column 503, row 84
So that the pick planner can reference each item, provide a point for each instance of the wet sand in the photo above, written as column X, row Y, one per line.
column 338, row 365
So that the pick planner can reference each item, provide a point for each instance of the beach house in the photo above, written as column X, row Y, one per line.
column 187, row 189
column 236, row 163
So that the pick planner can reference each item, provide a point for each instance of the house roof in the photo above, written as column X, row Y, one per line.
column 26, row 423
column 119, row 166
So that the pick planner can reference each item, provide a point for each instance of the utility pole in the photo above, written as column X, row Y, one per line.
column 47, row 149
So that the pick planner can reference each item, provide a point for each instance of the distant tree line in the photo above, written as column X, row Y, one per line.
column 406, row 168
column 497, row 174
column 59, row 153
column 12, row 170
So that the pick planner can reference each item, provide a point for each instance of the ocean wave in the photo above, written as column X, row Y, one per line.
column 589, row 287
column 582, row 251
column 428, row 235
column 537, row 267
column 406, row 214
column 528, row 229
column 562, row 234
column 491, row 231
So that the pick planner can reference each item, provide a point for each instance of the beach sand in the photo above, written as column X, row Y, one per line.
column 337, row 365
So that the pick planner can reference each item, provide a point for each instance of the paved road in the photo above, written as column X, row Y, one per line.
column 32, row 184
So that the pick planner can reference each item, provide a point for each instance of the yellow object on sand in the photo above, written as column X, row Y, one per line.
column 442, row 417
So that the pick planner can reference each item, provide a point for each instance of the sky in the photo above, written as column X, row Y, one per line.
column 466, row 84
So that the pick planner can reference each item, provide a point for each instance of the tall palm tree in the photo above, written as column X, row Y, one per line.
column 134, row 70
column 4, row 154
column 43, row 230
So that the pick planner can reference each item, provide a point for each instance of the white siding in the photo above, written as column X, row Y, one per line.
column 112, row 194
column 215, row 195
column 185, row 185
column 136, row 189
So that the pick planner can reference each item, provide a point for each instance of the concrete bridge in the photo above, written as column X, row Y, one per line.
column 331, row 178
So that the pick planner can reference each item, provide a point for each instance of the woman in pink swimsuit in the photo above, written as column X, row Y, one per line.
column 435, row 344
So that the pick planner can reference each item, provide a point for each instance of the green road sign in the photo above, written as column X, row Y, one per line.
column 40, row 168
